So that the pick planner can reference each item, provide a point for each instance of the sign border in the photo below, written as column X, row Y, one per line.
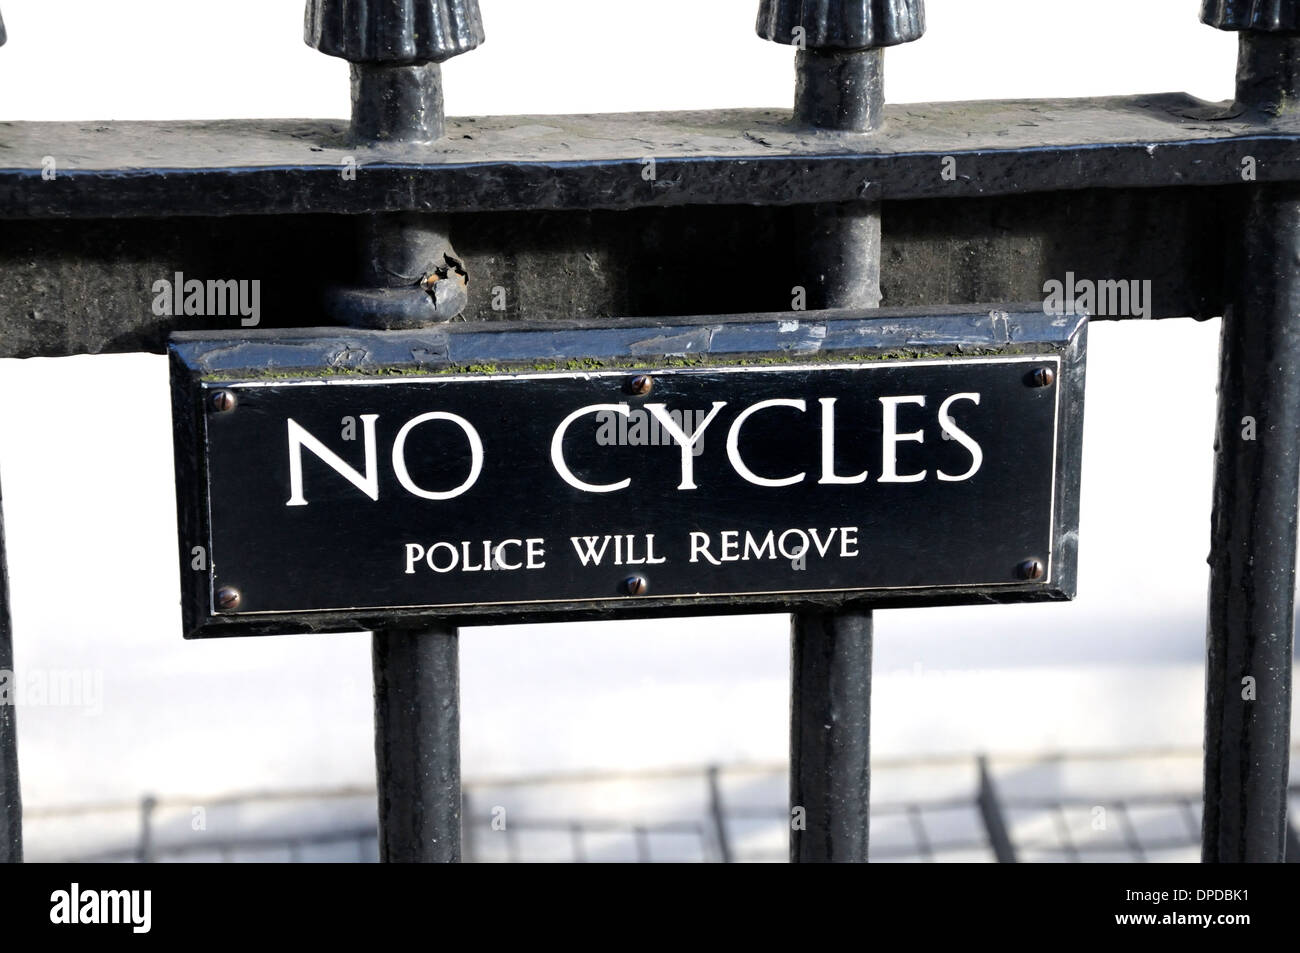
column 209, row 388
column 203, row 362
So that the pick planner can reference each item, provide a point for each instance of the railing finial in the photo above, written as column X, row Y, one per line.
column 841, row 24
column 396, row 48
column 1261, row 16
column 394, row 32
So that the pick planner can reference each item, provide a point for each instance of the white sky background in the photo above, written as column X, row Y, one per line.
column 86, row 462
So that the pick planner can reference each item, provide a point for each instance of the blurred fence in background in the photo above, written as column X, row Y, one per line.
column 1130, row 806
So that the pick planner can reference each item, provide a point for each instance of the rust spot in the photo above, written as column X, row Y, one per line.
column 451, row 267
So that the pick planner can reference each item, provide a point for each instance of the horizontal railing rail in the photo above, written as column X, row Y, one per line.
column 1141, row 824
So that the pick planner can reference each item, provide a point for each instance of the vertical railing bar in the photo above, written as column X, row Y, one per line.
column 839, row 88
column 704, row 834
column 11, row 802
column 468, row 833
column 1130, row 832
column 1063, row 832
column 1253, row 544
column 397, row 97
column 1251, row 620
column 830, row 739
column 417, row 744
column 922, row 839
column 1292, row 845
column 995, row 822
column 1189, row 817
column 512, row 845
column 719, row 816
column 145, row 852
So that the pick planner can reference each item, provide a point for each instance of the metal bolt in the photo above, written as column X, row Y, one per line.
column 636, row 585
column 1030, row 569
column 224, row 401
column 228, row 598
column 641, row 384
column 1042, row 377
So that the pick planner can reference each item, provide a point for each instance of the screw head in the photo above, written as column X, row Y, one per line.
column 641, row 384
column 1030, row 570
column 224, row 401
column 1042, row 377
column 636, row 585
column 228, row 598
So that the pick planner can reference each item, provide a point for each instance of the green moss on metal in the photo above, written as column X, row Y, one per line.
column 594, row 365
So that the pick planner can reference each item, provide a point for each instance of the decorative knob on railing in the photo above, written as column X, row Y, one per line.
column 1266, row 16
column 839, row 85
column 395, row 48
column 394, row 31
column 841, row 24
column 2, row 31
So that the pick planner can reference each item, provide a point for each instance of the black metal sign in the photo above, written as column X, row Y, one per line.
column 458, row 493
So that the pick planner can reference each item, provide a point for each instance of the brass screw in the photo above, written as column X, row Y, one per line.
column 1042, row 377
column 228, row 598
column 1030, row 569
column 636, row 585
column 224, row 401
column 641, row 384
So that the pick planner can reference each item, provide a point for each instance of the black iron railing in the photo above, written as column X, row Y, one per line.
column 1200, row 198
column 703, row 822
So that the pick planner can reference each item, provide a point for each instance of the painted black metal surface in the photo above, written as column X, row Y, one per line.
column 841, row 24
column 86, row 287
column 417, row 743
column 343, row 552
column 612, row 506
column 11, row 804
column 830, row 736
column 272, row 167
column 394, row 31
column 1268, row 75
column 1261, row 15
column 837, row 91
column 411, row 276
column 606, row 344
column 1251, row 619
column 1253, row 560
